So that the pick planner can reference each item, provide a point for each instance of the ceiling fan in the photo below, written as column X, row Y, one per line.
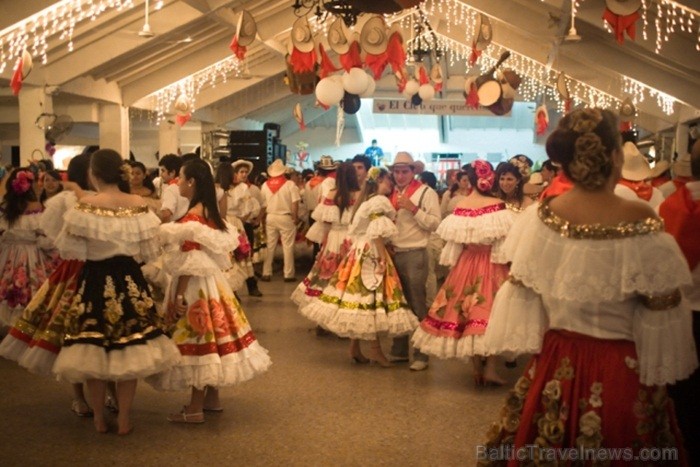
column 146, row 30
column 572, row 35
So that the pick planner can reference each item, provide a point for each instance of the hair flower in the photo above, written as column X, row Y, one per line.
column 373, row 173
column 22, row 182
column 484, row 174
column 126, row 171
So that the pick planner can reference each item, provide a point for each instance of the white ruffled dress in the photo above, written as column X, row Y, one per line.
column 113, row 330
column 358, row 301
column 600, row 306
column 27, row 258
column 214, row 336
column 330, row 230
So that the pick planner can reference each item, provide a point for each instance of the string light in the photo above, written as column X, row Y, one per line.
column 537, row 78
column 191, row 86
column 60, row 18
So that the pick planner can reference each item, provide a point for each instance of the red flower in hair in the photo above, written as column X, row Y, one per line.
column 23, row 182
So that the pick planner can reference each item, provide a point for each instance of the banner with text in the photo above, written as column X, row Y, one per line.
column 435, row 107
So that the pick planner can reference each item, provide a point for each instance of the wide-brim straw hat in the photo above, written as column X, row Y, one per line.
column 302, row 38
column 681, row 168
column 246, row 29
column 240, row 162
column 627, row 110
column 337, row 39
column 635, row 168
column 623, row 7
column 374, row 37
column 277, row 168
column 402, row 159
column 483, row 32
column 327, row 163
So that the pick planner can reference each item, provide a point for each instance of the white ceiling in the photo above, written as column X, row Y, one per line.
column 111, row 63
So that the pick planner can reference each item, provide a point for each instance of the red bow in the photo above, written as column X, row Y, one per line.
column 352, row 58
column 377, row 63
column 622, row 24
column 238, row 50
column 423, row 76
column 474, row 56
column 182, row 119
column 327, row 66
column 16, row 82
column 473, row 97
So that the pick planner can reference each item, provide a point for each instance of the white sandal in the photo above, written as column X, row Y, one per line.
column 184, row 417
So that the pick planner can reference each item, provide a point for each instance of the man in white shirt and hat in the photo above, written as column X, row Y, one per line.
column 281, row 204
column 418, row 215
column 635, row 172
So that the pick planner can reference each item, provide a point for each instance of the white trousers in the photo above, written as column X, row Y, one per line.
column 280, row 226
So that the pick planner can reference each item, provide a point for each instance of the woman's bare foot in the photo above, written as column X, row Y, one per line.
column 100, row 426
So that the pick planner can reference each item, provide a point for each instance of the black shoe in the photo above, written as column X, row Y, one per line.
column 266, row 278
column 255, row 293
column 290, row 279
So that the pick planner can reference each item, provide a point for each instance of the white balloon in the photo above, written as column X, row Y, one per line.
column 329, row 91
column 426, row 92
column 411, row 88
column 372, row 85
column 355, row 81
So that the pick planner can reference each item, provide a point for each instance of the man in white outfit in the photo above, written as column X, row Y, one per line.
column 173, row 206
column 418, row 215
column 281, row 204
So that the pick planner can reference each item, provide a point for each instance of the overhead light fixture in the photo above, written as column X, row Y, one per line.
column 343, row 9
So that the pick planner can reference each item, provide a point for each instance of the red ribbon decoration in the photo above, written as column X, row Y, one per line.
column 327, row 66
column 352, row 58
column 377, row 63
column 541, row 124
column 303, row 62
column 182, row 119
column 625, row 126
column 438, row 86
column 474, row 56
column 16, row 81
column 322, row 105
column 621, row 24
column 238, row 50
column 396, row 52
column 423, row 77
column 567, row 105
column 473, row 97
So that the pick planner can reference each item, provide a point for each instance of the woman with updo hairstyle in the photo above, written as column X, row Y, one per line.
column 27, row 257
column 593, row 293
column 457, row 192
column 202, row 314
column 459, row 315
column 112, row 329
column 364, row 299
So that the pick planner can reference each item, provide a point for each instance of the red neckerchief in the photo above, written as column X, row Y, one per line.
column 681, row 181
column 560, row 185
column 315, row 181
column 408, row 192
column 681, row 215
column 642, row 189
column 275, row 183
column 174, row 181
column 332, row 175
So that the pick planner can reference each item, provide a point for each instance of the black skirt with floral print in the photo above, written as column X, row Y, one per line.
column 113, row 306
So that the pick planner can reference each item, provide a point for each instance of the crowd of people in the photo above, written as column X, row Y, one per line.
column 583, row 264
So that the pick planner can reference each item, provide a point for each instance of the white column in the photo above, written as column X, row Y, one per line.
column 168, row 138
column 32, row 103
column 114, row 128
column 681, row 140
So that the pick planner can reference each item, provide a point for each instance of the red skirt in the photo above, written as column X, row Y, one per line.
column 581, row 397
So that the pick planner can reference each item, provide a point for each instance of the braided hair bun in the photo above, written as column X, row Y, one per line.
column 583, row 144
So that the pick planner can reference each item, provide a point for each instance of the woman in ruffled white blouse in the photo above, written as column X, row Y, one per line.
column 203, row 316
column 594, row 293
column 113, row 331
column 459, row 315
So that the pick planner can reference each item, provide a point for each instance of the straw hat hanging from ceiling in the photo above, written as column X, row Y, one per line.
column 246, row 29
column 337, row 39
column 374, row 37
column 302, row 38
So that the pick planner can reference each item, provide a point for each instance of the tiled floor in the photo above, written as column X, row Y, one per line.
column 312, row 408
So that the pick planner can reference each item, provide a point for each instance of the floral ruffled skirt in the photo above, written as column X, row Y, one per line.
column 37, row 336
column 354, row 305
column 217, row 345
column 583, row 393
column 25, row 267
column 327, row 261
column 458, row 317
